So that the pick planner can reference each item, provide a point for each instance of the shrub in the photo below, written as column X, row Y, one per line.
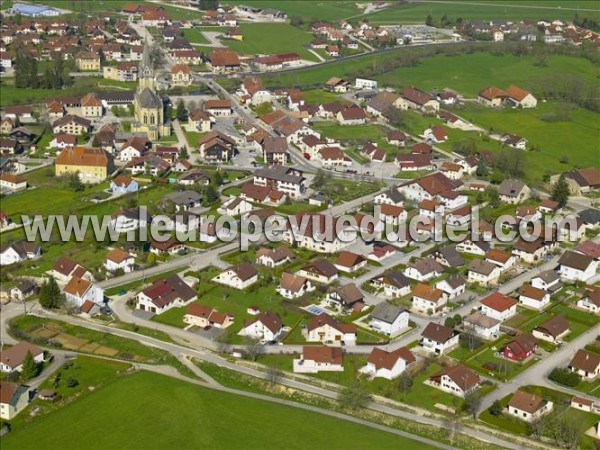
column 565, row 377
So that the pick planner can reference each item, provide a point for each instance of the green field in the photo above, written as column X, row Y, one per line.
column 128, row 412
column 272, row 38
column 469, row 74
column 308, row 10
column 415, row 12
column 195, row 36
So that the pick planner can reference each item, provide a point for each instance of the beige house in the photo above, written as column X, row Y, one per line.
column 324, row 328
column 528, row 407
column 206, row 316
column 92, row 164
column 13, row 399
column 87, row 61
column 181, row 75
column 91, row 106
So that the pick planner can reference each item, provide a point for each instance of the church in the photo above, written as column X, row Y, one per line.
column 148, row 105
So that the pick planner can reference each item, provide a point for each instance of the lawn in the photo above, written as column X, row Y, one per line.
column 319, row 96
column 268, row 38
column 411, row 12
column 234, row 301
column 345, row 190
column 194, row 36
column 308, row 10
column 193, row 138
column 511, row 424
column 125, row 414
column 351, row 132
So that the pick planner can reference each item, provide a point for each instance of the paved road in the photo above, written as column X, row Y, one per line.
column 178, row 350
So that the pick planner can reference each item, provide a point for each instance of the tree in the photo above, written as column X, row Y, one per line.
column 449, row 322
column 429, row 20
column 564, row 376
column 180, row 112
column 496, row 408
column 50, row 295
column 354, row 397
column 560, row 191
column 472, row 402
column 212, row 195
column 254, row 349
column 273, row 376
column 319, row 179
column 405, row 383
column 183, row 153
column 72, row 382
column 29, row 369
column 481, row 169
column 75, row 183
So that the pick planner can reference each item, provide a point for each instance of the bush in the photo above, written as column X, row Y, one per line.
column 565, row 377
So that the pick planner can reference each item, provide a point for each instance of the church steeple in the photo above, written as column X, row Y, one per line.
column 146, row 72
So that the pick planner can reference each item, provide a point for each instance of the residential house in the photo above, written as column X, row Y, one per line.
column 520, row 348
column 292, row 286
column 274, row 257
column 513, row 191
column 388, row 319
column 436, row 134
column 390, row 197
column 71, row 124
column 23, row 290
column 492, row 96
column 353, row 115
column 93, row 165
column 420, row 100
column 350, row 262
column 514, row 141
column 499, row 306
column 392, row 214
column 448, row 256
column 528, row 407
column 591, row 300
column 316, row 359
column 577, row 267
column 200, row 121
column 13, row 399
column 79, row 290
column 346, row 297
column 328, row 330
column 238, row 277
column 438, row 339
column 500, row 258
column 553, row 329
column 520, row 98
column 18, row 251
column 125, row 220
column 181, row 75
column 533, row 297
column 586, row 364
column 11, row 359
column 394, row 284
column 388, row 365
column 452, row 286
column 65, row 268
column 281, row 178
column 164, row 294
column 266, row 326
column 483, row 272
column 122, row 185
column 203, row 316
column 118, row 259
column 428, row 299
column 482, row 325
column 457, row 380
column 423, row 269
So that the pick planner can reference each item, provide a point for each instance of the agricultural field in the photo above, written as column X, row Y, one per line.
column 127, row 407
column 267, row 38
column 410, row 12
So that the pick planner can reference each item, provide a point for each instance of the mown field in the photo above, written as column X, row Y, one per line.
column 147, row 410
column 272, row 38
column 410, row 12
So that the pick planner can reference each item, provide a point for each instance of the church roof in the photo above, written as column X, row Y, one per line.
column 149, row 99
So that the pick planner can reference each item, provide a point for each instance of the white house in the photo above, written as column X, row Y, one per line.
column 428, row 299
column 591, row 302
column 78, row 290
column 483, row 272
column 238, row 277
column 324, row 328
column 533, row 297
column 482, row 325
column 452, row 286
column 548, row 280
column 577, row 267
column 438, row 339
column 265, row 326
column 457, row 380
column 528, row 407
column 19, row 251
column 318, row 359
column 12, row 358
column 388, row 319
column 363, row 83
column 292, row 286
column 499, row 306
column 388, row 365
column 235, row 206
column 586, row 364
column 13, row 399
column 119, row 259
column 164, row 294
column 125, row 220
column 206, row 316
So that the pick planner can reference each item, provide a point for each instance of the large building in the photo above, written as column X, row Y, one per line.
column 92, row 164
column 148, row 105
